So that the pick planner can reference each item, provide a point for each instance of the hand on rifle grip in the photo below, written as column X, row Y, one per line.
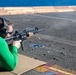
column 17, row 43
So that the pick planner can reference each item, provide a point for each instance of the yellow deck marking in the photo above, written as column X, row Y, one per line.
column 64, row 69
column 41, row 69
column 55, row 69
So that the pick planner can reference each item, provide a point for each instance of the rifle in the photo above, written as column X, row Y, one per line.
column 22, row 35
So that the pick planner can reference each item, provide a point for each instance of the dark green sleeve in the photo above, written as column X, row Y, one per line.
column 8, row 55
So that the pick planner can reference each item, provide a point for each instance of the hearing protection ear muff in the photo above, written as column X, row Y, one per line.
column 3, row 28
column 3, row 24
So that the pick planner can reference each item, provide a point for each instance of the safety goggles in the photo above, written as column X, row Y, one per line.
column 9, row 33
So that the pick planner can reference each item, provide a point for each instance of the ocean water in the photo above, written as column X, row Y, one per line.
column 22, row 3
